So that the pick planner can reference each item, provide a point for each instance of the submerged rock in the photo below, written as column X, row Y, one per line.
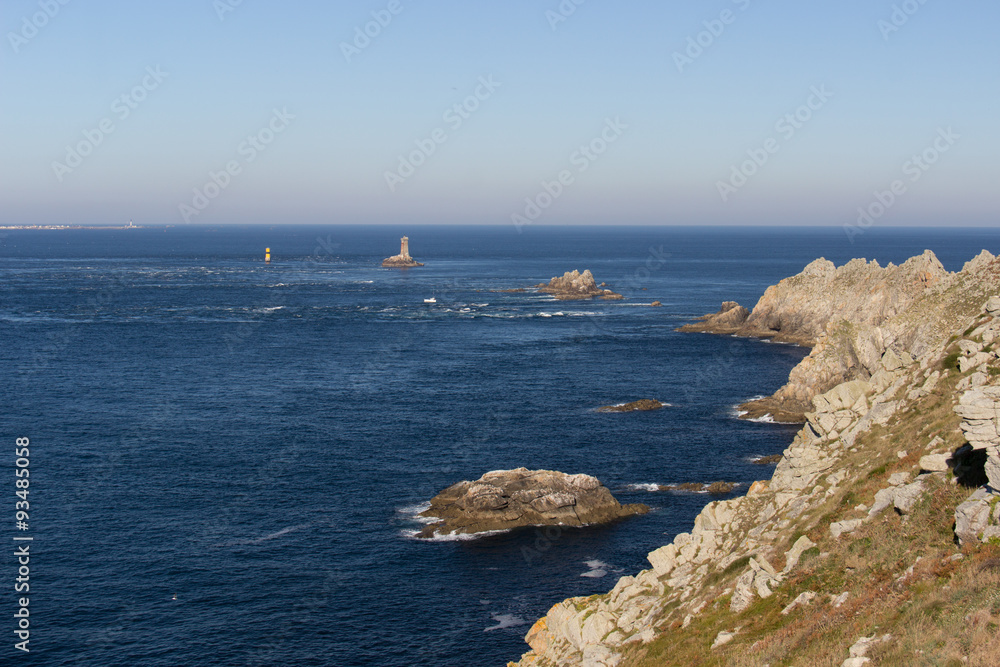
column 505, row 499
column 644, row 404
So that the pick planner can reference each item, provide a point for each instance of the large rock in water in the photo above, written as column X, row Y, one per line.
column 505, row 499
column 575, row 285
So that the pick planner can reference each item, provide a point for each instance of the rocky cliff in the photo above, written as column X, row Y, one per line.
column 877, row 539
column 852, row 316
column 506, row 499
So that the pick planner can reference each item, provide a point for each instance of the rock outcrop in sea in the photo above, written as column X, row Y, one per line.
column 642, row 405
column 575, row 285
column 506, row 499
column 403, row 259
column 878, row 536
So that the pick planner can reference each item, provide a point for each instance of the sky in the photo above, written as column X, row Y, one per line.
column 723, row 112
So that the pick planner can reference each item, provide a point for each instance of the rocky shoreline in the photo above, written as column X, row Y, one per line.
column 898, row 459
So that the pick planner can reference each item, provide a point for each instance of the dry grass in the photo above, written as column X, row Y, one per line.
column 944, row 612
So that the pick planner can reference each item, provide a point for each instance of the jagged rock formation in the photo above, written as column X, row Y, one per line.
column 857, row 319
column 730, row 319
column 643, row 404
column 761, row 578
column 403, row 259
column 506, row 499
column 575, row 285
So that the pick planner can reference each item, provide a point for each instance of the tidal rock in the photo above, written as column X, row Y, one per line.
column 729, row 319
column 575, row 285
column 506, row 499
column 644, row 404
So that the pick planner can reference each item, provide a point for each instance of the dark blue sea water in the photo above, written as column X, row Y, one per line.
column 226, row 455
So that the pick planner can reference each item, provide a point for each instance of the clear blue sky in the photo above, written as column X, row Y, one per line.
column 354, row 116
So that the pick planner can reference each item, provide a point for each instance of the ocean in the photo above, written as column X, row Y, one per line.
column 227, row 456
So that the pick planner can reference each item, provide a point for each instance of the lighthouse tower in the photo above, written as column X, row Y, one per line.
column 404, row 247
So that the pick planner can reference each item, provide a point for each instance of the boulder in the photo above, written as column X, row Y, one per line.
column 506, row 499
column 934, row 462
column 973, row 516
column 907, row 496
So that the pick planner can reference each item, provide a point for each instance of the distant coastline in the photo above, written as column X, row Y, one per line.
column 75, row 227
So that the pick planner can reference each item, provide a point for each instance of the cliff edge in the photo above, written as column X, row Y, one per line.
column 851, row 317
column 877, row 539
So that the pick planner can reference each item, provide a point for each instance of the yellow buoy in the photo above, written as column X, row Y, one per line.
column 267, row 255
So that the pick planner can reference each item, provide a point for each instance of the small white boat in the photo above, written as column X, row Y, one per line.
column 430, row 300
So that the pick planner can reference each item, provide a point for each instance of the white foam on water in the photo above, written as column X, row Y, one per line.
column 597, row 569
column 643, row 487
column 267, row 538
column 505, row 621
column 595, row 574
column 451, row 537
column 413, row 512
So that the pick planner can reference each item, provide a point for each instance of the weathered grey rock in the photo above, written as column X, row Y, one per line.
column 505, row 499
column 595, row 655
column 855, row 662
column 973, row 516
column 793, row 555
column 802, row 600
column 883, row 499
column 899, row 478
column 849, row 526
column 861, row 647
column 743, row 593
column 934, row 462
column 723, row 638
column 993, row 305
column 907, row 496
